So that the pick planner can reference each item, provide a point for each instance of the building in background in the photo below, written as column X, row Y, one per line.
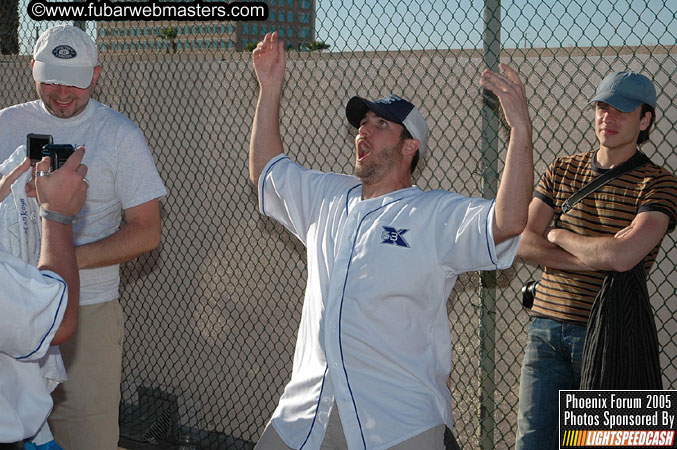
column 137, row 36
column 294, row 20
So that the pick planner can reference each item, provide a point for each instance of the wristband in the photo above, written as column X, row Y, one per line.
column 56, row 217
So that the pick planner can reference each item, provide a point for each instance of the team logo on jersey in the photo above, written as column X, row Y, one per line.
column 393, row 236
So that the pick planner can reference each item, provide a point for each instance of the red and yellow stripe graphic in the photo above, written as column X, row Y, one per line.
column 575, row 438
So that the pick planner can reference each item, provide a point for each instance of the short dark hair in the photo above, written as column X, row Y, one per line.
column 644, row 134
column 414, row 162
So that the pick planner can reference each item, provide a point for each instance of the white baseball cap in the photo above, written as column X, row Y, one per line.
column 65, row 55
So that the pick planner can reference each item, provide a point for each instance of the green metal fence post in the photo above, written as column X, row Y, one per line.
column 492, row 48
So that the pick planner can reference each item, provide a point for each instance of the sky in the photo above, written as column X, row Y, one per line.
column 431, row 24
column 355, row 25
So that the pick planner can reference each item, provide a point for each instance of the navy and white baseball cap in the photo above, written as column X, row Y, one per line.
column 394, row 109
column 65, row 55
column 626, row 91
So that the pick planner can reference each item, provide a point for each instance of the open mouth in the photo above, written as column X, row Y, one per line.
column 363, row 150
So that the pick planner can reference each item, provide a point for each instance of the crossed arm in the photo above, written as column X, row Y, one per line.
column 565, row 250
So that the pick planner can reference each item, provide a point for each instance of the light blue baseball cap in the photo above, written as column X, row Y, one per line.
column 626, row 91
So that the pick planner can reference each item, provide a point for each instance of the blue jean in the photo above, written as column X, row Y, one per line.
column 51, row 445
column 552, row 362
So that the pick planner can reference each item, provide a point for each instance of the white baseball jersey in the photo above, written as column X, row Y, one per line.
column 33, row 304
column 374, row 333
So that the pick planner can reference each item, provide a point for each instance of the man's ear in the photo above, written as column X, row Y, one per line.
column 95, row 75
column 410, row 146
column 645, row 121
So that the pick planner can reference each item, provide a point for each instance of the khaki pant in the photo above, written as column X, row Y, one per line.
column 85, row 414
column 334, row 439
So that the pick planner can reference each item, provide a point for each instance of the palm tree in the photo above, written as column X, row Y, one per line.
column 169, row 34
column 316, row 46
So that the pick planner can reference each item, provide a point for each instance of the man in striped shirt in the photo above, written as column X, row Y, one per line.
column 612, row 229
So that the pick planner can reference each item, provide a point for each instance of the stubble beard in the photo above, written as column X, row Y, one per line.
column 375, row 171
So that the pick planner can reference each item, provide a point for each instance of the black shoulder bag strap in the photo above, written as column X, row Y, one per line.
column 638, row 159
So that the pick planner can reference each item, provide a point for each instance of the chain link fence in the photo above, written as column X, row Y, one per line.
column 211, row 315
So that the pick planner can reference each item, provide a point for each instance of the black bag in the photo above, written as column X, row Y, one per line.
column 450, row 442
column 621, row 343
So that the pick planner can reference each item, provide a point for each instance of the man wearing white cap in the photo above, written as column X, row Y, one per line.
column 612, row 229
column 373, row 354
column 123, row 180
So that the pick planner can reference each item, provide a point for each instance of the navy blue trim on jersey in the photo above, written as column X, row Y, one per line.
column 56, row 313
column 345, row 282
column 348, row 195
column 317, row 407
column 263, row 202
column 488, row 236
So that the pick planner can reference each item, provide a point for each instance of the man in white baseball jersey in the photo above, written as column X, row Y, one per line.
column 373, row 351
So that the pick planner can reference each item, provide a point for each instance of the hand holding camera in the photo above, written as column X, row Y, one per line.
column 41, row 145
column 63, row 191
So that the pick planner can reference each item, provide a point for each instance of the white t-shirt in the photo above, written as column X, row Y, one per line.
column 121, row 174
column 374, row 333
column 33, row 304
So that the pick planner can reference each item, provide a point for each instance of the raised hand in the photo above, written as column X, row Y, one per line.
column 269, row 61
column 511, row 93
column 516, row 187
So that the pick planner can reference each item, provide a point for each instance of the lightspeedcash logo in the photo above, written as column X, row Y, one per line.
column 100, row 10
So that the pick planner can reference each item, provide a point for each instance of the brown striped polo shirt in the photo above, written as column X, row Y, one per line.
column 568, row 295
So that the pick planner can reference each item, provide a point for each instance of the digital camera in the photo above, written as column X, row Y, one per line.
column 528, row 293
column 58, row 154
column 34, row 144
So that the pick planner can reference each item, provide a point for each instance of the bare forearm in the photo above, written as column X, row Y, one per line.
column 600, row 253
column 265, row 142
column 58, row 255
column 127, row 243
column 139, row 234
column 535, row 248
column 515, row 191
column 269, row 65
